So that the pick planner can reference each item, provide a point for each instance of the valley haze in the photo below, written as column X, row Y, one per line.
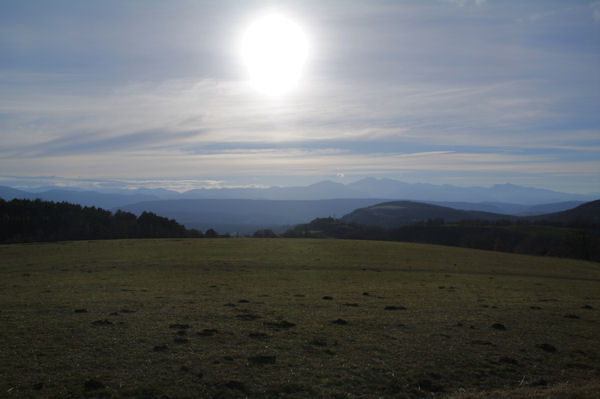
column 244, row 210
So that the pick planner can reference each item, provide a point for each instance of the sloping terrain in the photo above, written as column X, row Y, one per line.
column 588, row 213
column 401, row 213
column 510, row 209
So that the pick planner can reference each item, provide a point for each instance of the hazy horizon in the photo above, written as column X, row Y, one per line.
column 38, row 184
column 156, row 94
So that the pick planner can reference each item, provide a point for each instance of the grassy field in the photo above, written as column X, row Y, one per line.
column 273, row 318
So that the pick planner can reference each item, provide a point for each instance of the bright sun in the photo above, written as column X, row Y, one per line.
column 274, row 50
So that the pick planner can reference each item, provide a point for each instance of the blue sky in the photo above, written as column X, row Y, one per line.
column 445, row 92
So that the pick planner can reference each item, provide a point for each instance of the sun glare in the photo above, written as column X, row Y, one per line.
column 274, row 51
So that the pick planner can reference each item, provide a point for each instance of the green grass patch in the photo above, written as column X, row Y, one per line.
column 262, row 318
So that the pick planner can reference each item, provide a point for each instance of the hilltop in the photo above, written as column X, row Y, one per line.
column 402, row 213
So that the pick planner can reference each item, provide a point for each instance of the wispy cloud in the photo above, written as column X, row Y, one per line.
column 227, row 112
column 293, row 161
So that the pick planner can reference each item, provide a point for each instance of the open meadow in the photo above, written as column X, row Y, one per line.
column 294, row 318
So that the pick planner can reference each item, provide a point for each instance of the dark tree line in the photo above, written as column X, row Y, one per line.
column 24, row 220
column 537, row 238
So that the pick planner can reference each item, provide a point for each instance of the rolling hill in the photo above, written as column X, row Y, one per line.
column 571, row 234
column 510, row 208
column 588, row 213
column 402, row 213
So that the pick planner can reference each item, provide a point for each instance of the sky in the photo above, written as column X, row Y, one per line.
column 155, row 94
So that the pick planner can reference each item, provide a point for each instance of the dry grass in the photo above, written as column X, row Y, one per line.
column 558, row 391
column 435, row 339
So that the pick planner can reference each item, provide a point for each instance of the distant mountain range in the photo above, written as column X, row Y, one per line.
column 366, row 188
column 244, row 210
column 395, row 190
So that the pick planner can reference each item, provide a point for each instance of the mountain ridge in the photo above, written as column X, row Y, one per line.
column 365, row 188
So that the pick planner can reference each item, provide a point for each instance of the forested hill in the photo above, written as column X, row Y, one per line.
column 580, row 242
column 29, row 221
column 574, row 233
column 402, row 213
column 585, row 214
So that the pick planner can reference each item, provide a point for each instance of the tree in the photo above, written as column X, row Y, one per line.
column 210, row 233
column 27, row 221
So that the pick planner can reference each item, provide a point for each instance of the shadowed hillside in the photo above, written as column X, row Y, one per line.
column 585, row 214
column 573, row 234
column 401, row 213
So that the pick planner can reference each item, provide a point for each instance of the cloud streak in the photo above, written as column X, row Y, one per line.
column 231, row 112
